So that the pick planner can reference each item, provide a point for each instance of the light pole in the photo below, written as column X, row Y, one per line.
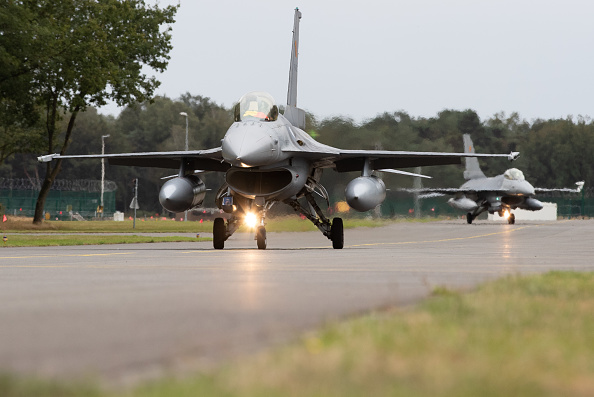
column 103, row 171
column 186, row 116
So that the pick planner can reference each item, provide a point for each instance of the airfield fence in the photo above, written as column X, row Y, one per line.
column 70, row 197
column 66, row 199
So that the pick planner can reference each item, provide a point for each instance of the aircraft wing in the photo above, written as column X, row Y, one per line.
column 436, row 192
column 354, row 160
column 580, row 186
column 207, row 160
column 432, row 192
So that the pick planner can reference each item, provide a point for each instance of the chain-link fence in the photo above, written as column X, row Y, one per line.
column 67, row 199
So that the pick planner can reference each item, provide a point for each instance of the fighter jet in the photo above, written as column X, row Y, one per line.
column 268, row 158
column 499, row 194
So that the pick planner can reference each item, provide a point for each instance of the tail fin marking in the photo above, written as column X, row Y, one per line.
column 292, row 91
column 473, row 169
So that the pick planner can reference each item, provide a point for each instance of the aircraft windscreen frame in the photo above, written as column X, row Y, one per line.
column 256, row 106
column 514, row 174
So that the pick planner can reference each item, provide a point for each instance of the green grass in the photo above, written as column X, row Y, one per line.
column 520, row 336
column 18, row 230
column 279, row 224
column 149, row 226
column 28, row 240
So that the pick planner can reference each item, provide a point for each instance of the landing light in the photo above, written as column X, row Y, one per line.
column 250, row 220
column 506, row 214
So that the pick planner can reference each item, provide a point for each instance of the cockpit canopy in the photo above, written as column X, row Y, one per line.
column 258, row 106
column 514, row 174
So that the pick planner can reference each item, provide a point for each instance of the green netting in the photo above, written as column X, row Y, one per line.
column 59, row 203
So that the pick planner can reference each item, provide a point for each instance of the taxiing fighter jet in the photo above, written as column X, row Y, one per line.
column 267, row 158
column 499, row 194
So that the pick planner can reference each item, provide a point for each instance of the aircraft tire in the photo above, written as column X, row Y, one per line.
column 261, row 237
column 469, row 218
column 218, row 234
column 512, row 219
column 337, row 233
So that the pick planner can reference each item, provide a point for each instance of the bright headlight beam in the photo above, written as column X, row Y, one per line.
column 506, row 214
column 250, row 220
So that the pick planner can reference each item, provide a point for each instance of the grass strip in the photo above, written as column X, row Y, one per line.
column 278, row 224
column 28, row 240
column 528, row 336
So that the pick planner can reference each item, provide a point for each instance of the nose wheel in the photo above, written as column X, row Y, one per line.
column 261, row 237
column 512, row 219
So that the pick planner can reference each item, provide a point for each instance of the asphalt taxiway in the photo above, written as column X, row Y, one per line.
column 128, row 312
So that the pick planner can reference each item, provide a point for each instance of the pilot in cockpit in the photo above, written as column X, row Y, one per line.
column 254, row 110
column 514, row 174
column 256, row 106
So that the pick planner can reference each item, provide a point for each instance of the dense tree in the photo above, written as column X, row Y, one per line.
column 20, row 128
column 83, row 52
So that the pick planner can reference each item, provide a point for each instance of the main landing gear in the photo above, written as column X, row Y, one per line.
column 218, row 234
column 337, row 234
column 240, row 209
column 469, row 218
column 221, row 231
column 511, row 219
column 333, row 230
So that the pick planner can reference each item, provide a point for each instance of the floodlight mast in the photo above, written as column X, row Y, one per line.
column 103, row 171
column 186, row 116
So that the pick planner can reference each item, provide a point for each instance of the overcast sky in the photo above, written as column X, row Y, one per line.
column 362, row 58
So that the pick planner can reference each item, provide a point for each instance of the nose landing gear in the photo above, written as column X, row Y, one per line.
column 261, row 237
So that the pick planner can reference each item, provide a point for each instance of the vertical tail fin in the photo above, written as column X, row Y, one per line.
column 292, row 113
column 473, row 169
column 292, row 93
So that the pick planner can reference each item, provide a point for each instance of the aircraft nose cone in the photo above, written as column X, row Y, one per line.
column 529, row 189
column 249, row 145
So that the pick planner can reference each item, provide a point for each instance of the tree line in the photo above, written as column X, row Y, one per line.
column 554, row 153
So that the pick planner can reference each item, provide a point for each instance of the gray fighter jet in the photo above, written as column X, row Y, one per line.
column 499, row 194
column 267, row 158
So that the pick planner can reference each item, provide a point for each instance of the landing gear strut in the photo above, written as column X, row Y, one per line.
column 333, row 230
